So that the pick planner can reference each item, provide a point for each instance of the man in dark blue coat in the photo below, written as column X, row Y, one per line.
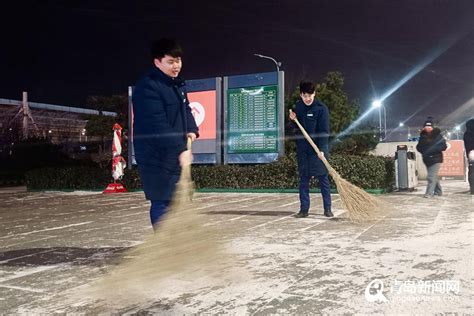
column 162, row 123
column 314, row 117
column 469, row 146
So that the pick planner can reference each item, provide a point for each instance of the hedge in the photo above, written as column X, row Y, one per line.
column 11, row 178
column 368, row 172
column 67, row 178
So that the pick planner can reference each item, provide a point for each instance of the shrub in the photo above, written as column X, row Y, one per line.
column 67, row 178
column 368, row 172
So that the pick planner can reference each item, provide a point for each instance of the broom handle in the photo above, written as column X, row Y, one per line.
column 190, row 143
column 310, row 141
column 186, row 171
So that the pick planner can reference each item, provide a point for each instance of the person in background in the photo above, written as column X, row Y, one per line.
column 469, row 146
column 431, row 146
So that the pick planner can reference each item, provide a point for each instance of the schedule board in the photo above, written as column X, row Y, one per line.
column 252, row 117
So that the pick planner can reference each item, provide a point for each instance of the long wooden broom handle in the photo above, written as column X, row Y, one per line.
column 186, row 171
column 190, row 143
column 310, row 141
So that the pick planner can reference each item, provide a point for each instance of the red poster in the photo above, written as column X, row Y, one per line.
column 453, row 160
column 203, row 107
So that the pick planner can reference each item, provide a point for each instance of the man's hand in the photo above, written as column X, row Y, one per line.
column 192, row 136
column 292, row 115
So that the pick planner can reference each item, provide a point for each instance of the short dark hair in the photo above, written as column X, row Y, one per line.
column 307, row 87
column 166, row 46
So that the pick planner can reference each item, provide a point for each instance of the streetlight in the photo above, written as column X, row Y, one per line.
column 401, row 124
column 83, row 133
column 377, row 104
column 457, row 128
column 277, row 63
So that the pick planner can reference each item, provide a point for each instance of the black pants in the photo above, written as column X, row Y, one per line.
column 471, row 176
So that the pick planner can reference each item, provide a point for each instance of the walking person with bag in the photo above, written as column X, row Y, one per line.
column 431, row 146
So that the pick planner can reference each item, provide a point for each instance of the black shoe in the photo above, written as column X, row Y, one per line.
column 328, row 213
column 301, row 214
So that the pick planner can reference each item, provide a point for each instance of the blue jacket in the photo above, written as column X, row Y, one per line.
column 162, row 118
column 315, row 120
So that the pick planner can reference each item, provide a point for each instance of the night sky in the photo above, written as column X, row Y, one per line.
column 63, row 51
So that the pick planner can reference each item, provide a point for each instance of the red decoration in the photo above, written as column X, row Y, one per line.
column 118, row 163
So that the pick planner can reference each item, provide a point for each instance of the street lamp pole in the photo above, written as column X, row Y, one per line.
column 378, row 104
column 277, row 63
column 380, row 124
column 384, row 122
column 457, row 129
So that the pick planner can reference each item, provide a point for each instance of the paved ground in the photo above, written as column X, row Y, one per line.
column 53, row 244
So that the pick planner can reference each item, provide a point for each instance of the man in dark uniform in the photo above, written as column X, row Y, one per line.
column 162, row 124
column 469, row 146
column 314, row 117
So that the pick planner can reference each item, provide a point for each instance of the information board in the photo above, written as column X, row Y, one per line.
column 203, row 107
column 252, row 119
column 453, row 161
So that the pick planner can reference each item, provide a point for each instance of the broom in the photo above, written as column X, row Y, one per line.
column 181, row 244
column 359, row 204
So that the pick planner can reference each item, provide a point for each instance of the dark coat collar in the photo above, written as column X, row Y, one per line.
column 157, row 74
column 316, row 102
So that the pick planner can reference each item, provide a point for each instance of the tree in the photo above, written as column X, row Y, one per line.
column 114, row 103
column 332, row 94
column 101, row 125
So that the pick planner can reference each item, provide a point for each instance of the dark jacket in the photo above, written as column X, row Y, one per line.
column 315, row 120
column 431, row 146
column 469, row 136
column 162, row 118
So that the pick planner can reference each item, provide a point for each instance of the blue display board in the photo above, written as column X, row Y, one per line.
column 254, row 118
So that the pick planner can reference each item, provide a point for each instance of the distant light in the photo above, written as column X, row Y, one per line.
column 401, row 124
column 458, row 128
column 377, row 103
column 50, row 131
column 449, row 133
column 409, row 135
column 11, row 129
